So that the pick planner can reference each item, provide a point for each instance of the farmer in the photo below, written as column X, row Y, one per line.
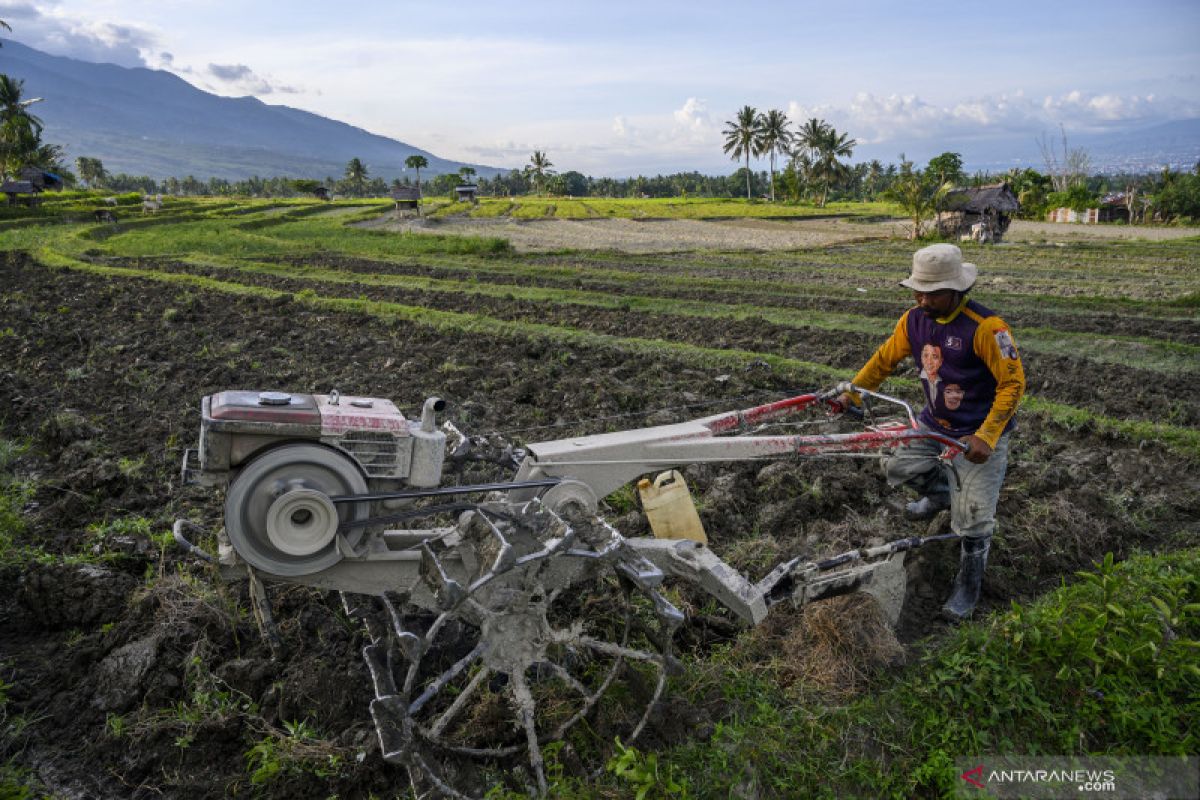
column 973, row 381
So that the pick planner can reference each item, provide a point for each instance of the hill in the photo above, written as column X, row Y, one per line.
column 150, row 122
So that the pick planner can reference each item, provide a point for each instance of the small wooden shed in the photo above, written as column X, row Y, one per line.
column 24, row 192
column 41, row 179
column 467, row 193
column 408, row 198
column 980, row 213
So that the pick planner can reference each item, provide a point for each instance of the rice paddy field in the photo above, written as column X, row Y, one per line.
column 128, row 669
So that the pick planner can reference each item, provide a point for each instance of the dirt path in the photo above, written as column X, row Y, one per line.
column 1028, row 230
column 646, row 236
column 669, row 236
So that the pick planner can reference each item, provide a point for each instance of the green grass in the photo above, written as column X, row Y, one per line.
column 1107, row 664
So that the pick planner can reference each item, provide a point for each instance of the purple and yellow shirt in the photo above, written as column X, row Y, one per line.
column 970, row 369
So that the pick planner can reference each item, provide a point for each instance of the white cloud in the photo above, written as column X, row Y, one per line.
column 55, row 31
column 240, row 78
column 876, row 119
column 693, row 116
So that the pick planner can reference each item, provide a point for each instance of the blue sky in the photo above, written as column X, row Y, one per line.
column 615, row 88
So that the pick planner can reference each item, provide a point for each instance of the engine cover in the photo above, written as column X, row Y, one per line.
column 237, row 425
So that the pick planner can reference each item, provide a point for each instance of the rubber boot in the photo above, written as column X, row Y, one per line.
column 969, row 581
column 927, row 507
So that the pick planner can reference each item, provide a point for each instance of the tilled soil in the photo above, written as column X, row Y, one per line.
column 1169, row 324
column 102, row 377
column 1130, row 392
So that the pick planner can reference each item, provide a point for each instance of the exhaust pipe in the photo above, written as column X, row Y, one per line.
column 428, row 419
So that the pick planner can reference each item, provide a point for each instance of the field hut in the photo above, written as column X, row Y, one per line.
column 981, row 214
column 1113, row 208
column 467, row 193
column 408, row 198
column 21, row 192
column 44, row 181
column 29, row 184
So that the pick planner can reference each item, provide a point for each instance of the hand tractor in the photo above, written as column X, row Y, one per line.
column 526, row 605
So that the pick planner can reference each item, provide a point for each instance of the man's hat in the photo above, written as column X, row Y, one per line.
column 940, row 266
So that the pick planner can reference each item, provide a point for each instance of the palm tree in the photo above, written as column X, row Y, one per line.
column 874, row 175
column 20, row 131
column 918, row 197
column 356, row 175
column 538, row 169
column 742, row 137
column 416, row 162
column 824, row 146
column 775, row 137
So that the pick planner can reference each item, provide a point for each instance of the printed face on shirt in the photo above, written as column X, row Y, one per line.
column 952, row 396
column 931, row 360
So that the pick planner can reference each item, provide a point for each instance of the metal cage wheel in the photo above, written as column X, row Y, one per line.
column 540, row 642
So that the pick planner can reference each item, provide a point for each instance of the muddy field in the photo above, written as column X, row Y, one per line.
column 143, row 676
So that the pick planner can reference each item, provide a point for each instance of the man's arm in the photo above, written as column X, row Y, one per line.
column 889, row 354
column 995, row 345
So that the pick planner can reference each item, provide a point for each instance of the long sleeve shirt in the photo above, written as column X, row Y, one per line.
column 970, row 369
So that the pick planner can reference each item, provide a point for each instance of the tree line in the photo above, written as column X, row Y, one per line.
column 816, row 170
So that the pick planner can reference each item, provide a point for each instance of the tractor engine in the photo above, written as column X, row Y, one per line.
column 293, row 461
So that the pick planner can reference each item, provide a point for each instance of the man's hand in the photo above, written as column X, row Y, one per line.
column 978, row 451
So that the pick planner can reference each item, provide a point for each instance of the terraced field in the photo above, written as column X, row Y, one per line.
column 109, row 335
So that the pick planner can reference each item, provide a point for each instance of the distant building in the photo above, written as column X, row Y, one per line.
column 29, row 185
column 41, row 179
column 467, row 193
column 408, row 198
column 981, row 214
column 1113, row 207
column 21, row 192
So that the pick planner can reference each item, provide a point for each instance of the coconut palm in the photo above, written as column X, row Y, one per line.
column 824, row 146
column 743, row 135
column 774, row 137
column 20, row 131
column 417, row 162
column 873, row 177
column 538, row 169
column 809, row 137
column 356, row 176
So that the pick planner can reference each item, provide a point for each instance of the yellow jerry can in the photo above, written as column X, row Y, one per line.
column 669, row 507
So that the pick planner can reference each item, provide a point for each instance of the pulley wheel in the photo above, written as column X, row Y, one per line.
column 278, row 513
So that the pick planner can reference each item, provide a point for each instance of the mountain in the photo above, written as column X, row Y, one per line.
column 1134, row 149
column 1129, row 150
column 150, row 122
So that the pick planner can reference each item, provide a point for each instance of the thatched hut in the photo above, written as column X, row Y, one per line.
column 981, row 213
